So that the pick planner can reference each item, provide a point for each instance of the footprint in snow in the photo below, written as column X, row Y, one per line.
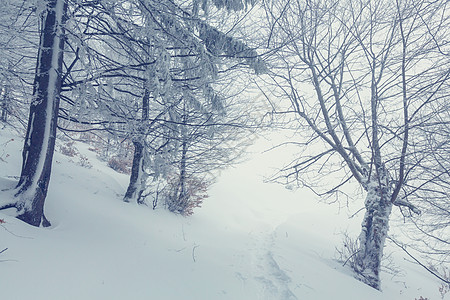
column 273, row 282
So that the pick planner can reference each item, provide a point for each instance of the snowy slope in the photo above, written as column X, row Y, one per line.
column 249, row 241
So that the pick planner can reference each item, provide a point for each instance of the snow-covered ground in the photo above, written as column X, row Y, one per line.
column 249, row 241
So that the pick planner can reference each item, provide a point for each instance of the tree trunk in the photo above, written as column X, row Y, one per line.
column 372, row 239
column 4, row 105
column 182, row 187
column 41, row 131
column 138, row 176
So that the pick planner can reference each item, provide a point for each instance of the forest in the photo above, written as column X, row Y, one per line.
column 169, row 93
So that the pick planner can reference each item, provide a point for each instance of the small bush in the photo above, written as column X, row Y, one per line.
column 444, row 289
column 120, row 165
column 4, row 155
column 195, row 191
column 84, row 162
column 445, row 274
column 348, row 253
column 68, row 149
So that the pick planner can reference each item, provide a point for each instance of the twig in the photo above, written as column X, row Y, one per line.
column 6, row 260
column 193, row 252
column 418, row 262
column 346, row 261
column 362, row 208
column 3, row 250
column 182, row 230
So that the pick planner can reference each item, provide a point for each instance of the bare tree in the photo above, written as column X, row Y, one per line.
column 39, row 145
column 161, row 56
column 361, row 79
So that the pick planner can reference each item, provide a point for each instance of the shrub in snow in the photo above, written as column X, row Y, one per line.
column 348, row 253
column 68, row 149
column 120, row 165
column 445, row 285
column 181, row 196
column 84, row 162
column 4, row 155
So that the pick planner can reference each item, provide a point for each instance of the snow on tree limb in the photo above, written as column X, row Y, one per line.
column 413, row 208
column 219, row 43
column 230, row 5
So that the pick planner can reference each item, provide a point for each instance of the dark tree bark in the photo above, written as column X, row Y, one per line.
column 182, row 198
column 41, row 131
column 135, row 190
column 4, row 105
column 138, row 176
column 180, row 201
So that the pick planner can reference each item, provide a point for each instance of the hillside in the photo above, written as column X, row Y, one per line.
column 250, row 240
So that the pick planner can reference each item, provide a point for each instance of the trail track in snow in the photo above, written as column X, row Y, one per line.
column 272, row 282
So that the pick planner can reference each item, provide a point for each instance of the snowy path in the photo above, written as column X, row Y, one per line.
column 256, row 264
column 273, row 281
column 259, row 271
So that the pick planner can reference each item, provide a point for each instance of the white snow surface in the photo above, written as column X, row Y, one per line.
column 250, row 240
